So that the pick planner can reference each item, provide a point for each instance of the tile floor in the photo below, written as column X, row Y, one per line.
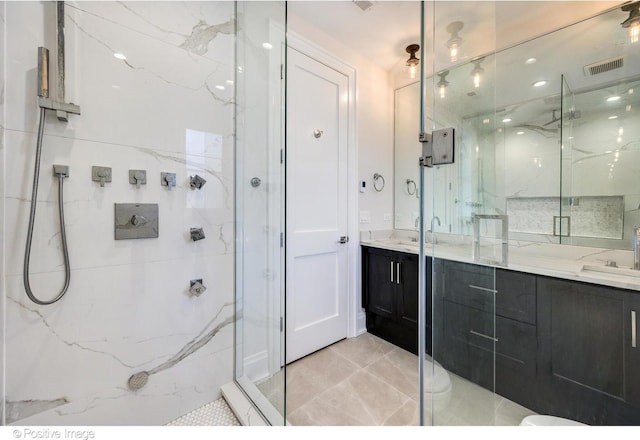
column 216, row 413
column 366, row 381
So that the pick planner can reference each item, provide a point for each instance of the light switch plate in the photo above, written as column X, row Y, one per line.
column 365, row 217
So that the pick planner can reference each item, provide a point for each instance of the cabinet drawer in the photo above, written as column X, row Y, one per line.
column 516, row 298
column 514, row 342
column 510, row 294
column 468, row 284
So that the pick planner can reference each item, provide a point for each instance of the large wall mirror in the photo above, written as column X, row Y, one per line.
column 550, row 137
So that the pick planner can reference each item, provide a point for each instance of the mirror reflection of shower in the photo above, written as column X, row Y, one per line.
column 60, row 172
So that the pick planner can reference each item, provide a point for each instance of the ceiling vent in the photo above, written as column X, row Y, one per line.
column 603, row 66
column 364, row 5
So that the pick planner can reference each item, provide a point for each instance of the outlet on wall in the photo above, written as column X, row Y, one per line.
column 387, row 217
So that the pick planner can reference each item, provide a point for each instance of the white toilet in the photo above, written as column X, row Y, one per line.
column 437, row 385
column 549, row 421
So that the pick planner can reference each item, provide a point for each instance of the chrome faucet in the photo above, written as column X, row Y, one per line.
column 434, row 218
column 416, row 222
column 636, row 247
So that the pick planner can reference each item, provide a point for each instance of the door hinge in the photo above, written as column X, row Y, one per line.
column 281, row 324
column 281, row 71
column 281, row 155
column 281, row 239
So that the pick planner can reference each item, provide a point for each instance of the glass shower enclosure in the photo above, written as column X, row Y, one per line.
column 259, row 206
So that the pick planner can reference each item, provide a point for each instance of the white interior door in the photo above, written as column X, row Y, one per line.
column 317, row 263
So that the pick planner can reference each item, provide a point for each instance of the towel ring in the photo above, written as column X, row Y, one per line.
column 377, row 177
column 409, row 186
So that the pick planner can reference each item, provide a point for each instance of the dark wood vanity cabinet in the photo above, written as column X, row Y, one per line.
column 556, row 346
column 390, row 296
column 486, row 311
column 589, row 366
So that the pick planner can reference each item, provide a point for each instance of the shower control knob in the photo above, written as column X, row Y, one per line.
column 138, row 220
column 137, row 177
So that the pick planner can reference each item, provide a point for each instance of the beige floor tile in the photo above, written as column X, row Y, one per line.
column 320, row 412
column 398, row 368
column 407, row 415
column 364, row 349
column 363, row 397
column 366, row 381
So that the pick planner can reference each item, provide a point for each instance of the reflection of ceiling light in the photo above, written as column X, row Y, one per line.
column 453, row 43
column 229, row 81
column 520, row 132
column 540, row 83
column 477, row 71
column 486, row 121
column 630, row 92
column 613, row 98
column 530, row 61
column 507, row 120
column 570, row 137
column 632, row 24
column 267, row 46
column 612, row 117
column 628, row 107
column 443, row 83
column 220, row 87
column 412, row 62
column 120, row 56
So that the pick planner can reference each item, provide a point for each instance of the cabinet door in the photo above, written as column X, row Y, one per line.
column 632, row 348
column 582, row 331
column 407, row 290
column 585, row 327
column 380, row 281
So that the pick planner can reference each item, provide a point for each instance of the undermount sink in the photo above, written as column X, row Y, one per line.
column 612, row 270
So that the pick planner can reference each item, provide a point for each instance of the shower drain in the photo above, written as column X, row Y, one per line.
column 138, row 380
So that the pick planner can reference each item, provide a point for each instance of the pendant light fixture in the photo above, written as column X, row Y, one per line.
column 453, row 43
column 632, row 24
column 477, row 72
column 412, row 62
column 443, row 83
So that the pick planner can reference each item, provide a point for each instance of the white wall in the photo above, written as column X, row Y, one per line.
column 128, row 308
column 374, row 116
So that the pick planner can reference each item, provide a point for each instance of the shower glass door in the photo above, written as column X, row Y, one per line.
column 259, row 190
column 464, row 226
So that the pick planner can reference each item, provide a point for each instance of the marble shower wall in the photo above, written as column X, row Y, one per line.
column 166, row 108
column 594, row 217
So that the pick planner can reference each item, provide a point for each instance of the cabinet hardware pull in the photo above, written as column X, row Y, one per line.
column 392, row 271
column 398, row 273
column 484, row 289
column 483, row 336
column 634, row 331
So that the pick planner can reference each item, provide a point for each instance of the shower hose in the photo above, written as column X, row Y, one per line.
column 32, row 217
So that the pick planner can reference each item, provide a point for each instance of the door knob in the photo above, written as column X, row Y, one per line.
column 343, row 239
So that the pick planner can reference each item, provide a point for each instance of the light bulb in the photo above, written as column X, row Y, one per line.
column 443, row 92
column 412, row 71
column 476, row 80
column 634, row 32
column 453, row 52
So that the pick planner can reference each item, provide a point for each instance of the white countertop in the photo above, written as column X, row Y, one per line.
column 553, row 260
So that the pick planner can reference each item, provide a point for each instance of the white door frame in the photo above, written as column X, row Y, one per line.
column 299, row 43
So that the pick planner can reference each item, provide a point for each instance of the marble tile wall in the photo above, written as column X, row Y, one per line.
column 166, row 108
column 600, row 216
